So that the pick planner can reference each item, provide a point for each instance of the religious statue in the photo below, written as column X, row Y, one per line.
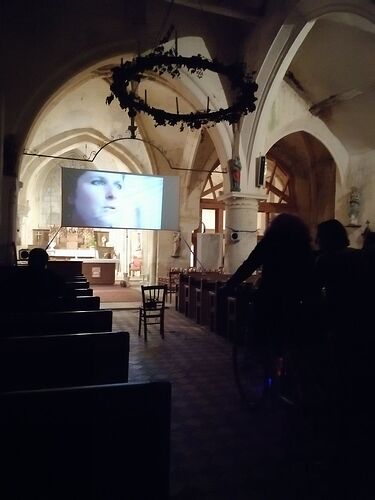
column 176, row 244
column 235, row 174
column 354, row 205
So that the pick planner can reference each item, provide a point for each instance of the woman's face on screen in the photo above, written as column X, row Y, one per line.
column 99, row 198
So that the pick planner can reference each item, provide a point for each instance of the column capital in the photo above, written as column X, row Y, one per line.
column 240, row 200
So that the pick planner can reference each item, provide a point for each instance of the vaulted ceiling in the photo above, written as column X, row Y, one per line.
column 334, row 72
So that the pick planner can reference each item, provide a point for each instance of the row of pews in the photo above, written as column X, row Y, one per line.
column 71, row 425
column 199, row 298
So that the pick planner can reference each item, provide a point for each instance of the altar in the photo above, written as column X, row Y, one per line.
column 99, row 271
column 72, row 253
column 69, row 246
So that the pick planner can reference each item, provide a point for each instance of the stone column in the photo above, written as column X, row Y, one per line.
column 240, row 229
column 8, row 218
column 1, row 144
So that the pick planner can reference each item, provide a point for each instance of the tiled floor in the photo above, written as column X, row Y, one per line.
column 221, row 449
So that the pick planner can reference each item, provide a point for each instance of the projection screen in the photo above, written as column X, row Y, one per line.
column 106, row 199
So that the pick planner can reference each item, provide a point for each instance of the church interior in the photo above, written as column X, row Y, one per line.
column 256, row 108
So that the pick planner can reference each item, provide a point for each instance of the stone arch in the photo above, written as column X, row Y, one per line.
column 313, row 169
column 193, row 93
column 282, row 50
column 70, row 141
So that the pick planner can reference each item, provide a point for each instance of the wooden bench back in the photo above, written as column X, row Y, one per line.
column 103, row 442
column 63, row 360
column 83, row 292
column 80, row 303
column 21, row 324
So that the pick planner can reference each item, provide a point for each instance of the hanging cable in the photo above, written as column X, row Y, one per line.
column 95, row 154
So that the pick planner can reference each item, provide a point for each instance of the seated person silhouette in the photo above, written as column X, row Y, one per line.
column 336, row 263
column 339, row 274
column 39, row 287
column 368, row 263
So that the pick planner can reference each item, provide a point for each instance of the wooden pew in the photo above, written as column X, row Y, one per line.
column 77, row 284
column 96, row 442
column 83, row 292
column 193, row 284
column 19, row 324
column 182, row 290
column 80, row 303
column 202, row 309
column 66, row 268
column 187, row 287
column 207, row 284
column 216, row 315
column 77, row 277
column 41, row 362
column 238, row 311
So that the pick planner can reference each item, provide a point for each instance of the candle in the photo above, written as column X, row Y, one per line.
column 208, row 104
column 177, row 105
column 146, row 97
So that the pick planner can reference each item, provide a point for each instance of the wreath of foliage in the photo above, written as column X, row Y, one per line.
column 160, row 62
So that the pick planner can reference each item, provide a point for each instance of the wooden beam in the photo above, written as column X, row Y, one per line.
column 281, row 194
column 212, row 189
column 267, row 207
column 212, row 204
column 269, row 184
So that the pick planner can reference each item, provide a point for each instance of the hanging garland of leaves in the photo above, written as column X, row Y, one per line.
column 161, row 62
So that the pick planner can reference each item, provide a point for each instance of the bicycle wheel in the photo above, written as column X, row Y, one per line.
column 248, row 369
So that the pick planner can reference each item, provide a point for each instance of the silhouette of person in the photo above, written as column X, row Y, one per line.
column 368, row 268
column 344, row 273
column 338, row 271
column 38, row 286
column 369, row 241
column 340, row 275
column 285, row 256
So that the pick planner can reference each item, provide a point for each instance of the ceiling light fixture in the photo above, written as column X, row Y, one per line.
column 161, row 62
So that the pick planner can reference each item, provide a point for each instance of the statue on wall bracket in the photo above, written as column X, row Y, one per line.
column 176, row 244
column 354, row 206
column 234, row 168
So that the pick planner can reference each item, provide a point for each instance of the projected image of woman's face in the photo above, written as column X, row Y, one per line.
column 98, row 199
column 107, row 199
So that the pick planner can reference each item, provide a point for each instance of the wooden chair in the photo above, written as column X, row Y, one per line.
column 151, row 311
column 135, row 267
